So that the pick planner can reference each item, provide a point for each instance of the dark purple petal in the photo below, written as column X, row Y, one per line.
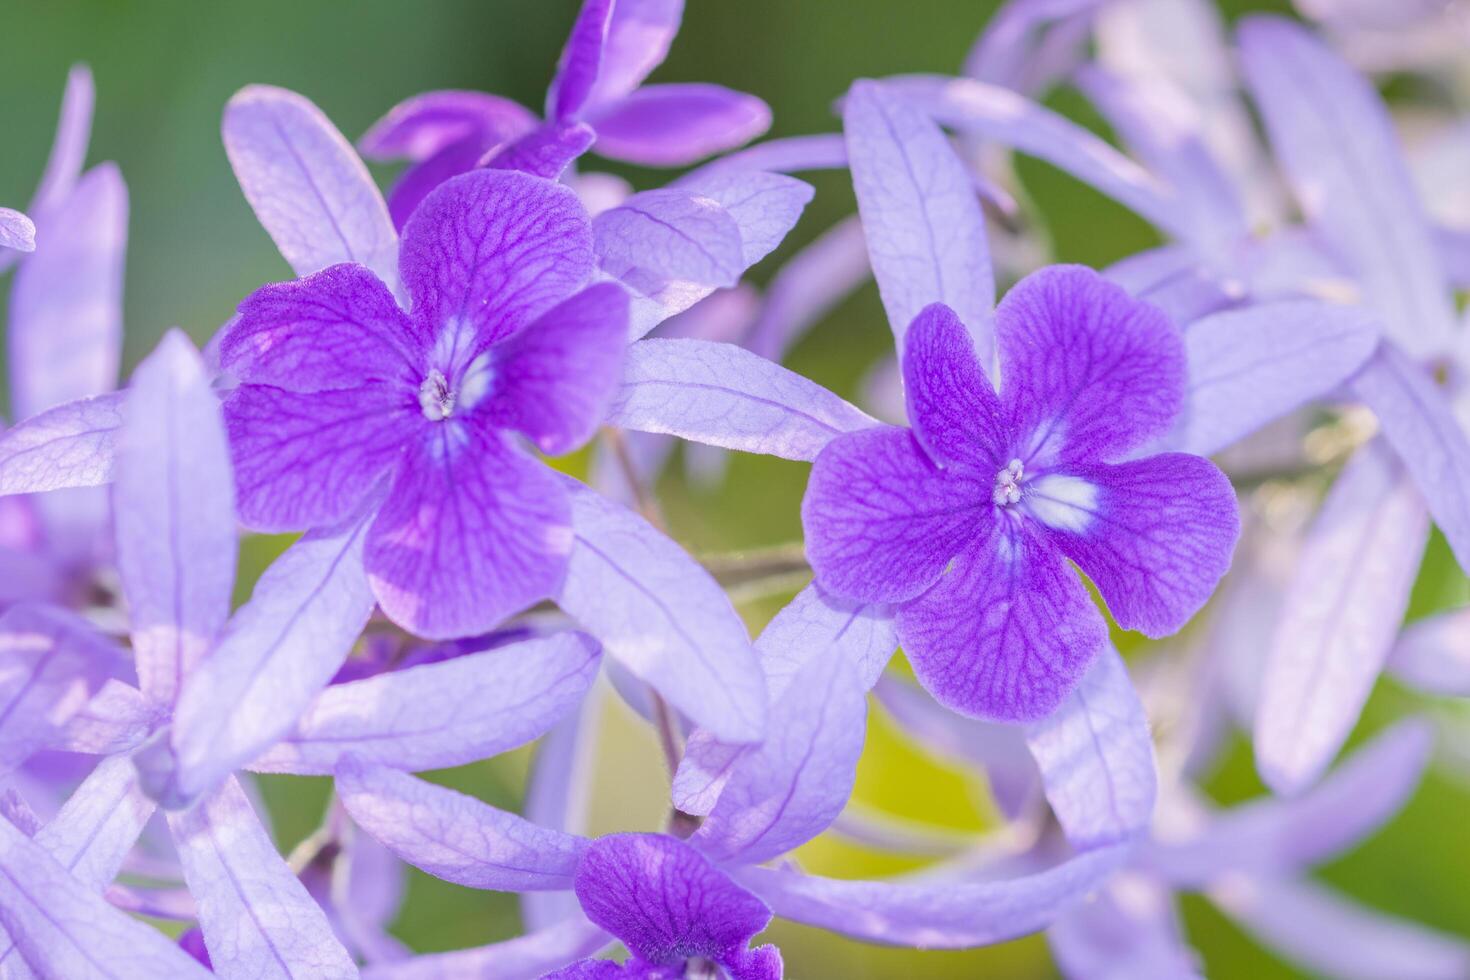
column 420, row 126
column 666, row 901
column 555, row 380
column 1087, row 372
column 492, row 250
column 1007, row 632
column 338, row 328
column 576, row 71
column 1155, row 535
column 637, row 42
column 305, row 460
column 473, row 531
column 882, row 522
column 955, row 413
column 544, row 152
column 418, row 180
column 675, row 125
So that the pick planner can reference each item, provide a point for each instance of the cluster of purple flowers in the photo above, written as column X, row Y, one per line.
column 452, row 594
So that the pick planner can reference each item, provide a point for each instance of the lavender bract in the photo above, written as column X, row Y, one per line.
column 341, row 389
column 964, row 522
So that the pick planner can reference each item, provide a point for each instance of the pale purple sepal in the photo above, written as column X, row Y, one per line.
column 926, row 234
column 558, row 795
column 1336, row 142
column 1128, row 930
column 1014, row 47
column 117, row 719
column 1097, row 758
column 174, row 506
column 51, row 663
column 66, row 304
column 809, row 285
column 66, row 929
column 791, row 787
column 723, row 395
column 765, row 206
column 16, row 231
column 1433, row 654
column 258, row 920
column 274, row 655
column 307, row 186
column 855, row 638
column 999, row 750
column 948, row 914
column 71, row 445
column 69, row 147
column 791, row 154
column 527, row 957
column 1326, row 934
column 1249, row 367
column 91, row 834
column 663, row 617
column 1419, row 423
column 677, row 234
column 454, row 836
column 1275, row 836
column 998, row 115
column 676, row 124
column 1341, row 614
column 438, row 715
column 420, row 126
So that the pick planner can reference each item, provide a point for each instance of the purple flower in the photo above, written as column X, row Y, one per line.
column 613, row 46
column 342, row 390
column 16, row 231
column 967, row 521
column 669, row 905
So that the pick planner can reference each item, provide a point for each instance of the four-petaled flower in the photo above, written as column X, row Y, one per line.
column 967, row 520
column 340, row 388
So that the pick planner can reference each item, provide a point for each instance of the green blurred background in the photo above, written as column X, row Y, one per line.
column 164, row 71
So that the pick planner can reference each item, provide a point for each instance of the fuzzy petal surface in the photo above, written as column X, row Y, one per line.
column 1008, row 630
column 555, row 380
column 1155, row 535
column 473, row 530
column 489, row 251
column 666, row 901
column 1086, row 371
column 306, row 460
column 882, row 522
column 338, row 328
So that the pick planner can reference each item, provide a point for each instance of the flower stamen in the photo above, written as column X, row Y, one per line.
column 1008, row 484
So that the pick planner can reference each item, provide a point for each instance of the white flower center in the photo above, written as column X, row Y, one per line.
column 436, row 398
column 1008, row 484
